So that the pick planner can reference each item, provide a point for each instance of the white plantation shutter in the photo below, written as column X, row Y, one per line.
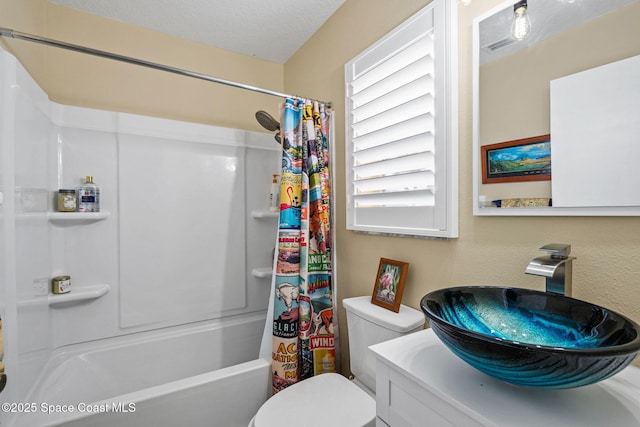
column 401, row 140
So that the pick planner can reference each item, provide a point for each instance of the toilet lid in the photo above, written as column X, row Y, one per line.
column 320, row 401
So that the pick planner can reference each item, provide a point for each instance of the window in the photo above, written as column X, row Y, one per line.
column 401, row 142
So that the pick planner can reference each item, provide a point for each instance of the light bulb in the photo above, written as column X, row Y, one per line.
column 465, row 2
column 521, row 24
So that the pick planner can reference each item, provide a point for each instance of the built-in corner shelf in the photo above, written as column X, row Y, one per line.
column 68, row 218
column 84, row 293
column 262, row 272
column 259, row 214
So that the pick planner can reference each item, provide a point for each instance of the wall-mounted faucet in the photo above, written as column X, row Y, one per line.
column 555, row 267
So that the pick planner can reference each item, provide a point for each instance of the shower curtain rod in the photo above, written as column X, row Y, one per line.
column 7, row 32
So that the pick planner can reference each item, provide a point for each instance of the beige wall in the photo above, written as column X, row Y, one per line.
column 490, row 250
column 88, row 81
column 27, row 16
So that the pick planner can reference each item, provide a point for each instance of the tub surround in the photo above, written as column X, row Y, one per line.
column 174, row 244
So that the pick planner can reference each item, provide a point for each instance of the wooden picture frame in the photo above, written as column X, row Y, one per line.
column 527, row 159
column 387, row 291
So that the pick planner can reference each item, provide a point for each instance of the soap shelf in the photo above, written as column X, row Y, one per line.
column 262, row 272
column 85, row 293
column 62, row 218
column 264, row 214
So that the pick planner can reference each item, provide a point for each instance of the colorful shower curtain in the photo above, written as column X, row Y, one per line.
column 303, row 327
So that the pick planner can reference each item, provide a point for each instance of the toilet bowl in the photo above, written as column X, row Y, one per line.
column 348, row 403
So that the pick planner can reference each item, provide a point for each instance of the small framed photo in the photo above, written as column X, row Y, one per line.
column 527, row 159
column 389, row 286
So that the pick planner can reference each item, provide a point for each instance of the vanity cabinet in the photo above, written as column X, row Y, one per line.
column 408, row 374
column 420, row 382
column 403, row 401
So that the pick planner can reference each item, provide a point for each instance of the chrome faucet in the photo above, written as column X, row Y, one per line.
column 555, row 267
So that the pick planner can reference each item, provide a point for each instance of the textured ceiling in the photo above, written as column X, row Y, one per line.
column 272, row 30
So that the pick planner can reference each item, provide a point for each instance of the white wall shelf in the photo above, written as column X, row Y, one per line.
column 262, row 272
column 84, row 293
column 67, row 218
column 259, row 214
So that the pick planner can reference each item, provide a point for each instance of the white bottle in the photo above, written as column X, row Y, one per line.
column 89, row 196
column 274, row 196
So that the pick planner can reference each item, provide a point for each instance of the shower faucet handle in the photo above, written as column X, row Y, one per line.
column 557, row 250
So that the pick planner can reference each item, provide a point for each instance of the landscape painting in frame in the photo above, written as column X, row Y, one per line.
column 527, row 159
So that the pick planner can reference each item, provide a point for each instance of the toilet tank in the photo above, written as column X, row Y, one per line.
column 369, row 324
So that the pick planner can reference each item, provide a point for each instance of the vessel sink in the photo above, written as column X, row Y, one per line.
column 532, row 338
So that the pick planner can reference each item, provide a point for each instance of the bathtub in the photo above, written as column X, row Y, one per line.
column 196, row 375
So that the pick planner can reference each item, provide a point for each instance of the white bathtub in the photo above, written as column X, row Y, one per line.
column 198, row 375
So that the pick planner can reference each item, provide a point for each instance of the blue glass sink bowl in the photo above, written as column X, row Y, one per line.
column 532, row 338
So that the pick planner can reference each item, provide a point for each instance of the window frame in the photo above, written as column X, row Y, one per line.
column 445, row 36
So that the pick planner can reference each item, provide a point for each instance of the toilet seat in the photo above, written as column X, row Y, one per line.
column 314, row 400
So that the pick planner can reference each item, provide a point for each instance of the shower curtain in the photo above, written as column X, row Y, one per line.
column 303, row 327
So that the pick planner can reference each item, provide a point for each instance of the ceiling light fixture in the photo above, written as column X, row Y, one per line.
column 521, row 25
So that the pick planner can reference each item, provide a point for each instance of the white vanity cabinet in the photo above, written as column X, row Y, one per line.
column 420, row 382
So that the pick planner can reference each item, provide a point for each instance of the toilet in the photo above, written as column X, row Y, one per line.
column 348, row 403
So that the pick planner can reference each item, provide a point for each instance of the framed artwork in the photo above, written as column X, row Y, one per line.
column 387, row 291
column 527, row 159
